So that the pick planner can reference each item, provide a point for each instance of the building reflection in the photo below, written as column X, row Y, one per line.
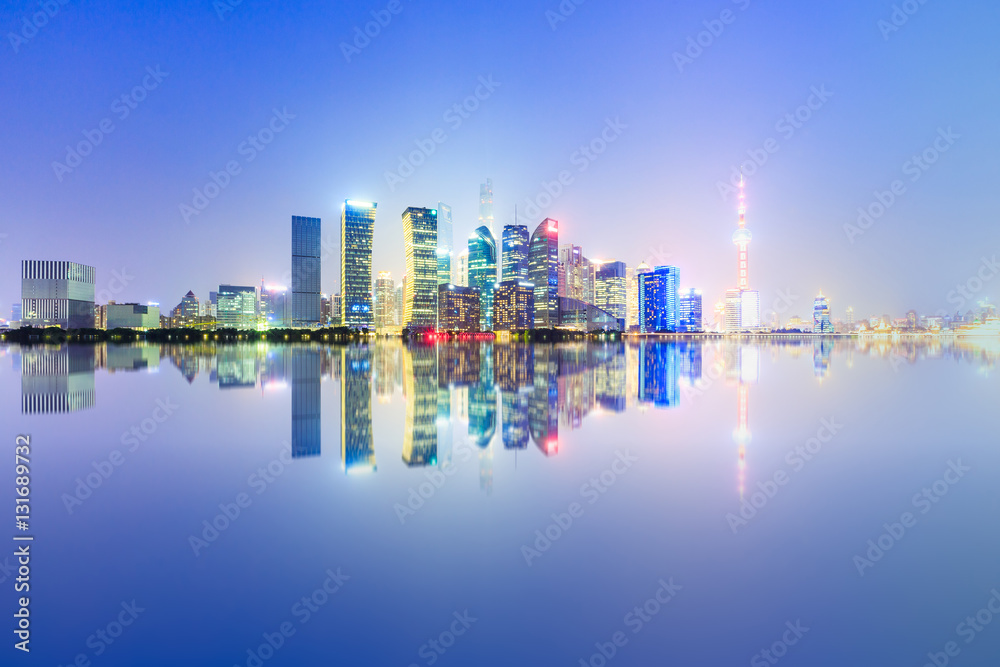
column 357, row 443
column 306, row 403
column 57, row 380
column 420, row 391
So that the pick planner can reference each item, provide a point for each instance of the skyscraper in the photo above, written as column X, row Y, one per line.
column 357, row 228
column 462, row 268
column 58, row 294
column 658, row 300
column 486, row 205
column 821, row 315
column 458, row 308
column 420, row 248
column 690, row 311
column 483, row 272
column 514, row 253
column 632, row 296
column 578, row 279
column 306, row 271
column 543, row 271
column 385, row 300
column 445, row 244
column 610, row 289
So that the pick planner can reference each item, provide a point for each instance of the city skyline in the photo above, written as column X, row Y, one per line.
column 665, row 164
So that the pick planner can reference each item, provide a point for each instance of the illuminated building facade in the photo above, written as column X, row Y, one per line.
column 514, row 306
column 748, row 318
column 543, row 270
column 357, row 229
column 486, row 205
column 658, row 300
column 821, row 315
column 133, row 316
column 420, row 248
column 689, row 305
column 445, row 243
column 385, row 300
column 611, row 289
column 237, row 307
column 458, row 308
column 483, row 272
column 514, row 253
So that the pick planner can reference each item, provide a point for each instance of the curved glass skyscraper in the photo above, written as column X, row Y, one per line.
column 483, row 272
column 543, row 271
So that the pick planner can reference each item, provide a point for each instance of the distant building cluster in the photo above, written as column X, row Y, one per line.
column 506, row 281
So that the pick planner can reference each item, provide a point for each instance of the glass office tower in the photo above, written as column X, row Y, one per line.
column 357, row 227
column 305, row 271
column 658, row 300
column 483, row 272
column 543, row 270
column 446, row 244
column 514, row 253
column 420, row 248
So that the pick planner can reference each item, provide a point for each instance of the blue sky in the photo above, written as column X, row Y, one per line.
column 652, row 194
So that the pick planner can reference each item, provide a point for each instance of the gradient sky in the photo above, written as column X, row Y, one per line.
column 653, row 195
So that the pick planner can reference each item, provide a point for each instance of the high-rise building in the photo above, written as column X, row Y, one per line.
column 237, row 307
column 357, row 228
column 462, row 268
column 187, row 312
column 458, row 308
column 577, row 279
column 658, row 300
column 483, row 272
column 689, row 319
column 514, row 306
column 821, row 315
column 733, row 319
column 610, row 289
column 486, row 205
column 445, row 243
column 57, row 294
column 306, row 290
column 514, row 253
column 850, row 318
column 750, row 310
column 385, row 301
column 400, row 290
column 543, row 271
column 325, row 310
column 632, row 296
column 336, row 310
column 420, row 247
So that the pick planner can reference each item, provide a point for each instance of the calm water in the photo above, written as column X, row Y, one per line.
column 481, row 504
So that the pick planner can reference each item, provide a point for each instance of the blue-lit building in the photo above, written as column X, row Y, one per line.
column 821, row 315
column 306, row 266
column 610, row 289
column 357, row 229
column 543, row 273
column 658, row 300
column 514, row 253
column 689, row 312
column 483, row 272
